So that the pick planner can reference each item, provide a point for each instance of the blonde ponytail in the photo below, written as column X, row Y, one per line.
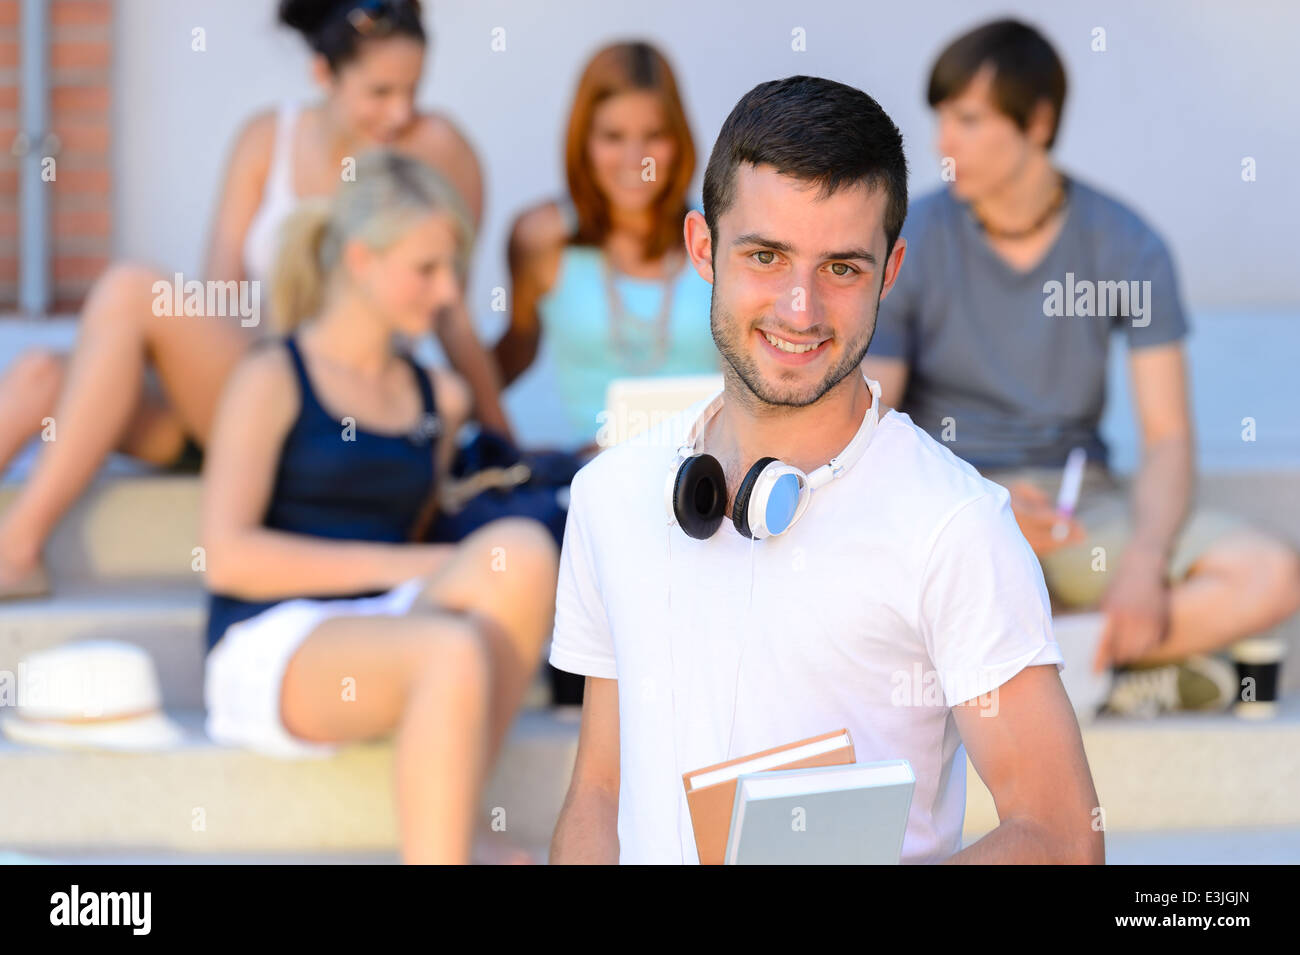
column 297, row 281
column 388, row 191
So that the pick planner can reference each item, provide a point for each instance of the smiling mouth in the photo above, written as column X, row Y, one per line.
column 793, row 348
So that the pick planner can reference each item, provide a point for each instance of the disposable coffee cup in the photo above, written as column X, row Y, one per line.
column 1259, row 664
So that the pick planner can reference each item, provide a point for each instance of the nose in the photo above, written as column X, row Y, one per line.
column 446, row 289
column 798, row 307
column 399, row 115
column 637, row 151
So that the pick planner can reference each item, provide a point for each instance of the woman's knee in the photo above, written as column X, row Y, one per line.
column 123, row 292
column 450, row 655
column 521, row 547
column 522, row 567
column 38, row 371
column 503, row 556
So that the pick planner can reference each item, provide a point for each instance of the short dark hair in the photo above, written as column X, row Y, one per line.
column 816, row 130
column 1026, row 70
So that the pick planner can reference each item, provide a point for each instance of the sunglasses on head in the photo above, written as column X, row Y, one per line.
column 375, row 17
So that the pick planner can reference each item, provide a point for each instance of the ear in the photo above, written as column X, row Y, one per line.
column 699, row 244
column 893, row 265
column 356, row 259
column 1039, row 128
column 321, row 74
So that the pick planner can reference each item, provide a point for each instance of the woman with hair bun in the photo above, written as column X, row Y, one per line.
column 329, row 622
column 147, row 384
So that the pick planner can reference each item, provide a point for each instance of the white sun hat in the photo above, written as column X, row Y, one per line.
column 92, row 694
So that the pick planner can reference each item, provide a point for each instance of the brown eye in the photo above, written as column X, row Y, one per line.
column 766, row 252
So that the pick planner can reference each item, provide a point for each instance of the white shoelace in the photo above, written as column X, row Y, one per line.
column 1139, row 692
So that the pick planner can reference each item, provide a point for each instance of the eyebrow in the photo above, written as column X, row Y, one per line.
column 753, row 238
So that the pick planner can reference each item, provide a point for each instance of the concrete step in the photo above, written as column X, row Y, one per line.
column 1253, row 845
column 1180, row 773
column 1186, row 770
column 126, row 527
column 1262, row 845
column 208, row 799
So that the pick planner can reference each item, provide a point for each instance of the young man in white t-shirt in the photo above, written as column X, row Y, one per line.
column 900, row 602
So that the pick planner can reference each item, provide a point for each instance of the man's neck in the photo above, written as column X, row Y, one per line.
column 746, row 429
column 1019, row 201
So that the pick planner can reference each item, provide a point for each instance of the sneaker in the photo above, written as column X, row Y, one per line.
column 1197, row 683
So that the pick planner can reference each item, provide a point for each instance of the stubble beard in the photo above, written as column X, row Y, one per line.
column 730, row 338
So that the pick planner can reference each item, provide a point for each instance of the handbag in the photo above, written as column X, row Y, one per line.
column 494, row 478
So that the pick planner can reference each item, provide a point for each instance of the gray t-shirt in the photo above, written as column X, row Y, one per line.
column 1008, row 369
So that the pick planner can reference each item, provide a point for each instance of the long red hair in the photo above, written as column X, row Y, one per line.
column 622, row 68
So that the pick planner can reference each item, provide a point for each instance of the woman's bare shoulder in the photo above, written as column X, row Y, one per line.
column 440, row 142
column 255, row 139
column 437, row 129
column 537, row 239
column 265, row 378
column 539, row 228
column 249, row 159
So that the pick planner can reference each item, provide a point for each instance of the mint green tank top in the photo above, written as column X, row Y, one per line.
column 584, row 345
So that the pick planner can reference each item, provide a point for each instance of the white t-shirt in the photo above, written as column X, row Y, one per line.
column 904, row 589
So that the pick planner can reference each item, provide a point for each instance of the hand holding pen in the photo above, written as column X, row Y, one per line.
column 1049, row 528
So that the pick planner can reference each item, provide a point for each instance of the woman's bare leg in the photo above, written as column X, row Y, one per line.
column 425, row 675
column 29, row 392
column 101, row 393
column 504, row 576
column 29, row 389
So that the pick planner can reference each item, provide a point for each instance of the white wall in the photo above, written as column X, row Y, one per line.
column 1161, row 119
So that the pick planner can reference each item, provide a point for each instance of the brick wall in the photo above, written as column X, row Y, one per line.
column 8, row 164
column 80, row 62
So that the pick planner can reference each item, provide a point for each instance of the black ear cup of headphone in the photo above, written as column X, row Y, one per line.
column 700, row 496
column 740, row 509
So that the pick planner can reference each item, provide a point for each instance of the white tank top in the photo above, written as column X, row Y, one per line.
column 262, row 241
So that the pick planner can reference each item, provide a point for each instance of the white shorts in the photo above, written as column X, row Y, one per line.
column 245, row 669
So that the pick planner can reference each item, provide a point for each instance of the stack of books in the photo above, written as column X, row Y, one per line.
column 805, row 803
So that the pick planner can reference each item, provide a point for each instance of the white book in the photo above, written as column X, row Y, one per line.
column 854, row 814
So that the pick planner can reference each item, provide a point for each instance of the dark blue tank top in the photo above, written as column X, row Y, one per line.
column 342, row 484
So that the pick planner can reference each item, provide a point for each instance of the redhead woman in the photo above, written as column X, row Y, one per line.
column 327, row 623
column 602, row 272
column 147, row 384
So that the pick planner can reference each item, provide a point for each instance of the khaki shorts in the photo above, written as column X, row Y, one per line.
column 1077, row 575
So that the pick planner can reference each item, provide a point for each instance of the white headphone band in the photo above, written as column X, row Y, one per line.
column 827, row 472
column 856, row 446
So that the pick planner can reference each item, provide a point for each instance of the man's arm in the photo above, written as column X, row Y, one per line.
column 587, row 830
column 1137, row 601
column 1164, row 480
column 465, row 352
column 1024, row 742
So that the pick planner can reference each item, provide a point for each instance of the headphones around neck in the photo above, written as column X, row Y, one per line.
column 772, row 496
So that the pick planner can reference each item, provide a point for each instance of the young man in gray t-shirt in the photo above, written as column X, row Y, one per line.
column 995, row 341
